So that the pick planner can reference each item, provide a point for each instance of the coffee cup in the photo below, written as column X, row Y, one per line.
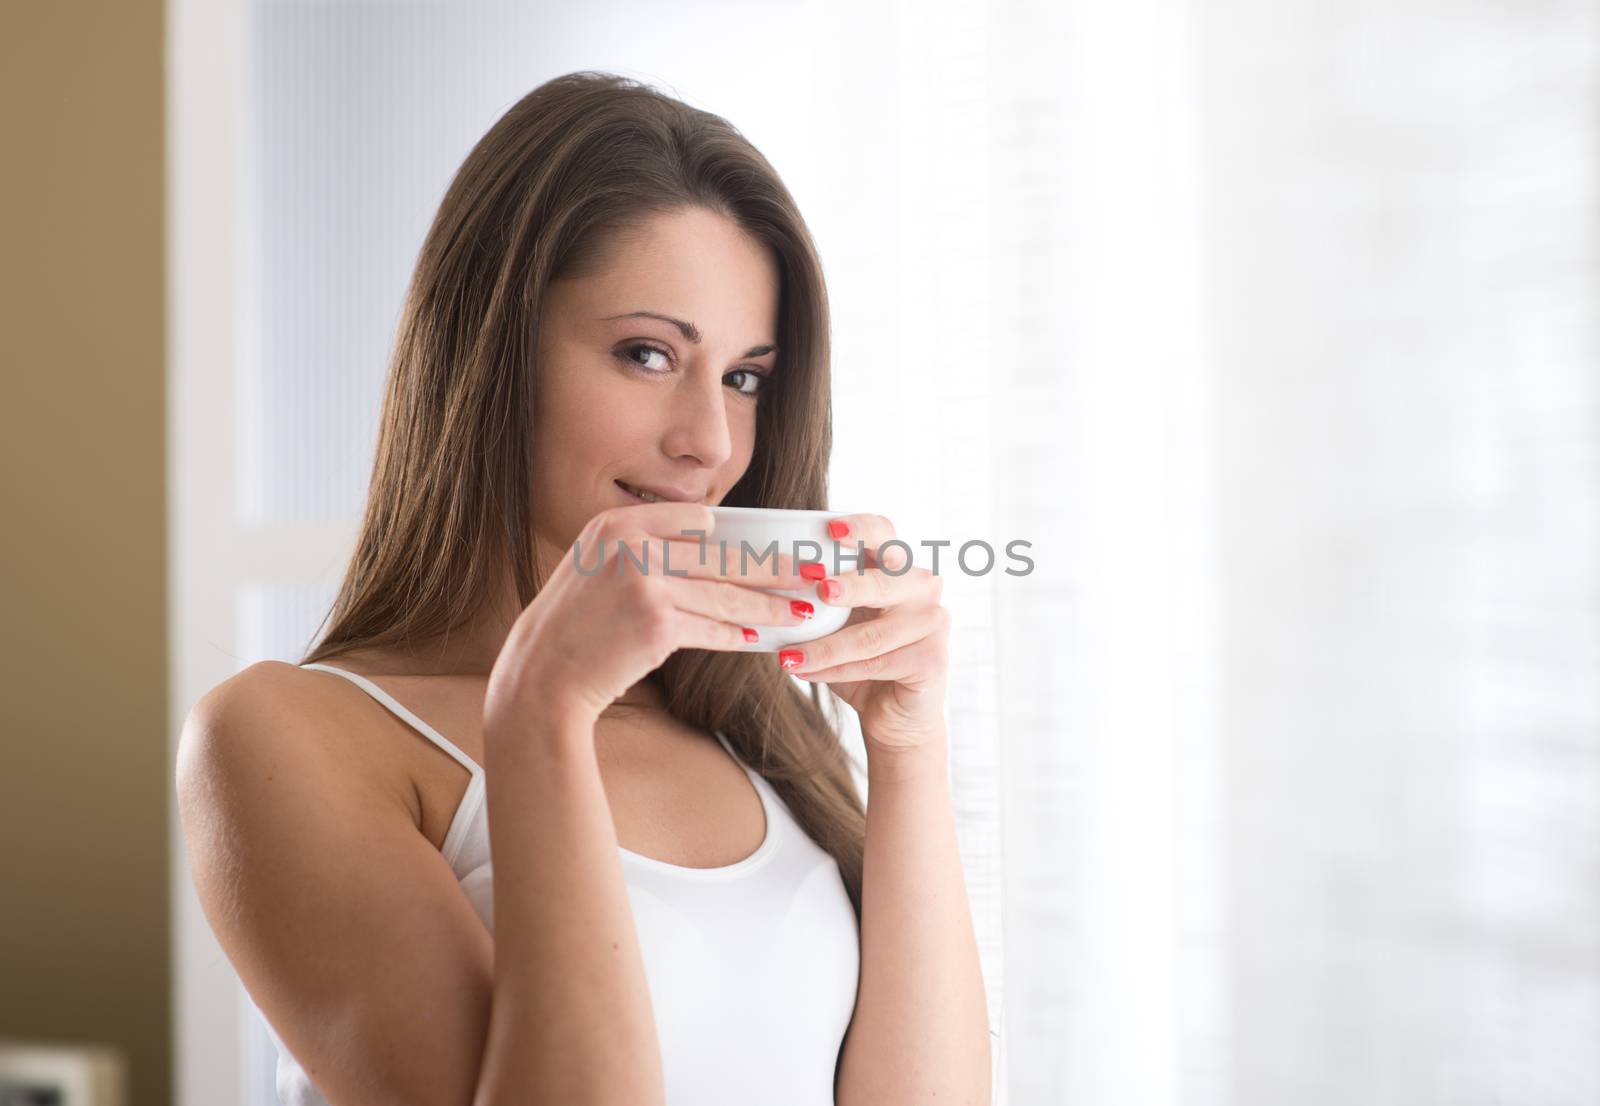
column 757, row 534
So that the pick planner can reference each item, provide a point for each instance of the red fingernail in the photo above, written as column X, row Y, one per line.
column 802, row 608
column 751, row 635
column 838, row 528
column 791, row 658
column 828, row 589
column 812, row 570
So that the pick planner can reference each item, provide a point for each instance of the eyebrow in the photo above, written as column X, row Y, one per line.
column 688, row 330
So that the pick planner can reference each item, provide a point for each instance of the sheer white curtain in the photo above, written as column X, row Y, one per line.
column 1274, row 326
column 1406, row 277
column 1042, row 289
column 1271, row 326
column 1014, row 258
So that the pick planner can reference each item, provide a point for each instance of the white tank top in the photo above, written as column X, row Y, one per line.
column 752, row 967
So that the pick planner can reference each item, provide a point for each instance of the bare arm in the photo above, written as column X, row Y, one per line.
column 572, row 1012
column 920, row 1033
column 342, row 920
column 353, row 936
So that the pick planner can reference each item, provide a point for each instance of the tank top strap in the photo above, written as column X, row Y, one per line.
column 394, row 705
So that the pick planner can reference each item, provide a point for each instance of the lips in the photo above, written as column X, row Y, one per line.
column 632, row 493
column 652, row 495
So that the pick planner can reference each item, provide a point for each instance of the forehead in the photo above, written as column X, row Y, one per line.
column 693, row 265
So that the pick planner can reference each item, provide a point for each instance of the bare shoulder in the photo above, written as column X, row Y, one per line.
column 273, row 686
column 320, row 890
column 273, row 713
column 272, row 742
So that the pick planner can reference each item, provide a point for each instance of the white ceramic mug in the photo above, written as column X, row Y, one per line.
column 752, row 531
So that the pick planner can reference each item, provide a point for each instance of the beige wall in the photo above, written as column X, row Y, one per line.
column 84, row 776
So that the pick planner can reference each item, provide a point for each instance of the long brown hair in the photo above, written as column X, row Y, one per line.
column 544, row 195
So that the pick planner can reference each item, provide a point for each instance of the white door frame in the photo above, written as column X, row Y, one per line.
column 204, row 94
column 221, row 1055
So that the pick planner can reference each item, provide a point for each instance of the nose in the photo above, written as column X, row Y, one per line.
column 697, row 426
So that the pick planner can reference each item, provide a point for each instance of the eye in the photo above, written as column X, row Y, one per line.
column 629, row 352
column 760, row 380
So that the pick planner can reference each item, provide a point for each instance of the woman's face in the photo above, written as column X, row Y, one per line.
column 630, row 398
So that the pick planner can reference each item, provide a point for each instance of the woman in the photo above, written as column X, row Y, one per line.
column 617, row 295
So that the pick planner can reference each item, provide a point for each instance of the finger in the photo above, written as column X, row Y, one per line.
column 741, row 606
column 863, row 640
column 696, row 523
column 694, row 631
column 742, row 560
column 871, row 532
column 910, row 664
column 653, row 556
column 879, row 589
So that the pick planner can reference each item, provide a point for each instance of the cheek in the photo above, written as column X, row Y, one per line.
column 743, row 431
column 568, row 387
column 574, row 397
column 590, row 415
column 564, row 416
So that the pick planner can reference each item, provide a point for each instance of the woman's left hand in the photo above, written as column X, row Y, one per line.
column 889, row 661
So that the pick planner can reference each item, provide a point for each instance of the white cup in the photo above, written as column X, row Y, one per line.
column 756, row 533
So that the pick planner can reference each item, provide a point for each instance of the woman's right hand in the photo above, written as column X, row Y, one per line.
column 589, row 636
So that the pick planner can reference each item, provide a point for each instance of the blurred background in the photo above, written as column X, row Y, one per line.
column 1272, row 325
